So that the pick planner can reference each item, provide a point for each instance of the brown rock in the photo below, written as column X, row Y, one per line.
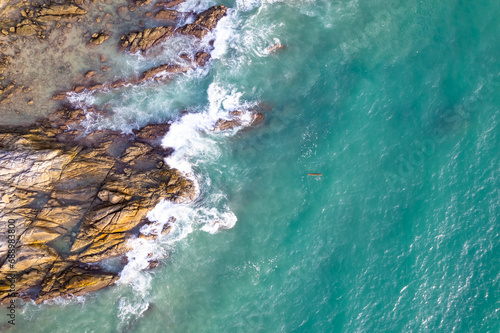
column 236, row 120
column 151, row 134
column 65, row 279
column 93, row 87
column 167, row 227
column 204, row 22
column 201, row 58
column 78, row 89
column 224, row 124
column 27, row 30
column 169, row 3
column 58, row 12
column 144, row 40
column 257, row 119
column 276, row 47
column 99, row 37
column 162, row 70
column 76, row 200
column 142, row 2
column 4, row 63
column 122, row 11
column 60, row 96
column 148, row 237
column 153, row 264
column 90, row 74
column 167, row 15
column 119, row 83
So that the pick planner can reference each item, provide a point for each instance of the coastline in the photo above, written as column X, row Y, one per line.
column 260, row 241
column 77, row 196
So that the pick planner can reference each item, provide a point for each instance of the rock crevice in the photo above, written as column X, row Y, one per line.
column 76, row 200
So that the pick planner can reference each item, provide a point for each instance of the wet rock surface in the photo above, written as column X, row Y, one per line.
column 276, row 47
column 159, row 73
column 99, row 37
column 168, row 15
column 204, row 22
column 76, row 200
column 147, row 38
column 169, row 3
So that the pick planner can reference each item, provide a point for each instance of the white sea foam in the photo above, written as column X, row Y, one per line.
column 196, row 6
column 195, row 144
column 191, row 135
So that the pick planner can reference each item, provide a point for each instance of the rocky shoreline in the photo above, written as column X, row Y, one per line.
column 74, row 197
column 76, row 200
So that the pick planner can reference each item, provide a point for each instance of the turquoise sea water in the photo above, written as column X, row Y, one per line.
column 396, row 104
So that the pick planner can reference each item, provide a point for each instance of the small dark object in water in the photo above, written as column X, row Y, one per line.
column 315, row 174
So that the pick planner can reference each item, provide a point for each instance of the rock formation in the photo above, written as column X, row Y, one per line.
column 158, row 73
column 168, row 15
column 276, row 47
column 239, row 118
column 26, row 20
column 169, row 3
column 162, row 70
column 99, row 37
column 75, row 200
column 144, row 40
column 147, row 38
column 204, row 22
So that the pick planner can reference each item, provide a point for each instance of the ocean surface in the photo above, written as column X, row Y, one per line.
column 396, row 104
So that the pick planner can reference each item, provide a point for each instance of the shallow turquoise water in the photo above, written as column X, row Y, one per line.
column 396, row 104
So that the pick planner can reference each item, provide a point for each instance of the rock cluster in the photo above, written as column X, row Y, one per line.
column 158, row 73
column 204, row 22
column 147, row 38
column 99, row 37
column 169, row 3
column 31, row 19
column 162, row 70
column 76, row 200
column 168, row 15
